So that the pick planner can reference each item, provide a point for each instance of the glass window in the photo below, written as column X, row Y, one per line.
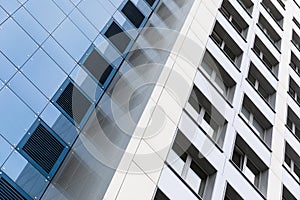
column 76, row 46
column 5, row 149
column 16, row 117
column 10, row 6
column 7, row 69
column 95, row 13
column 238, row 158
column 195, row 177
column 25, row 175
column 42, row 12
column 44, row 73
column 30, row 25
column 59, row 55
column 97, row 65
column 60, row 124
column 65, row 5
column 83, row 24
column 28, row 92
column 3, row 15
column 246, row 113
column 117, row 37
column 87, row 83
column 133, row 14
column 15, row 43
column 258, row 127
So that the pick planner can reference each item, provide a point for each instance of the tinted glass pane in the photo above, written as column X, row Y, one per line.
column 160, row 195
column 119, row 38
column 133, row 14
column 150, row 2
column 98, row 66
column 16, row 118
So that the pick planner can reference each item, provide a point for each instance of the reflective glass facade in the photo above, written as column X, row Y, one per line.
column 57, row 62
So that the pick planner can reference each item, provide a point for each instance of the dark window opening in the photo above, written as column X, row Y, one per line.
column 98, row 66
column 133, row 14
column 117, row 37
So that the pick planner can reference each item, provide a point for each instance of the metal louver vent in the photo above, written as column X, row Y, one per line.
column 43, row 148
column 7, row 191
column 74, row 103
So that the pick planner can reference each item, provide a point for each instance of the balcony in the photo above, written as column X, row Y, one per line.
column 207, row 116
column 296, row 40
column 295, row 63
column 257, row 122
column 234, row 18
column 273, row 11
column 262, row 86
column 292, row 162
column 219, row 78
column 250, row 165
column 233, row 52
column 293, row 123
column 247, row 5
column 269, row 31
column 266, row 56
column 191, row 167
column 294, row 91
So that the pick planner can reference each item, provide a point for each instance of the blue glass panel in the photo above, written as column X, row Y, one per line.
column 65, row 5
column 116, row 3
column 28, row 92
column 69, row 36
column 75, row 2
column 44, row 73
column 5, row 149
column 15, row 43
column 108, row 6
column 30, row 25
column 83, row 24
column 3, row 15
column 6, row 68
column 95, row 13
column 86, row 83
column 14, row 165
column 1, row 84
column 10, row 6
column 25, row 175
column 59, row 55
column 43, row 11
column 60, row 124
column 16, row 117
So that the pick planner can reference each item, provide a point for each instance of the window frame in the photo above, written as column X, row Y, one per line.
column 72, row 120
column 60, row 159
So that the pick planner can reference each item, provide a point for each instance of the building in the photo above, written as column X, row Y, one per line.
column 150, row 99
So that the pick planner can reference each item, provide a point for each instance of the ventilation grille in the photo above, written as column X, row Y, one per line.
column 98, row 66
column 133, row 14
column 74, row 103
column 43, row 148
column 7, row 191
